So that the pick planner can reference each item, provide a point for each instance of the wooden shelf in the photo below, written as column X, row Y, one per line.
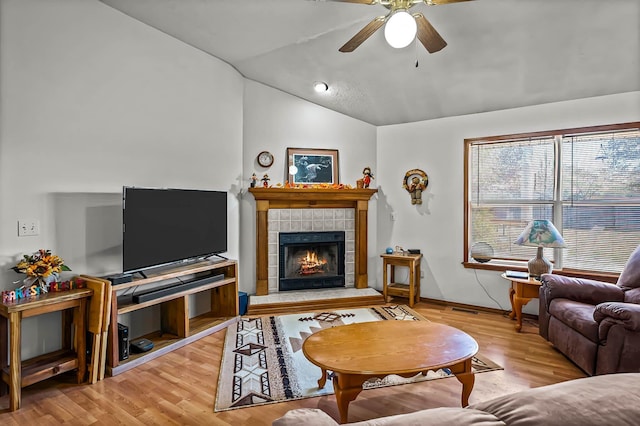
column 177, row 328
column 395, row 289
column 45, row 366
column 130, row 307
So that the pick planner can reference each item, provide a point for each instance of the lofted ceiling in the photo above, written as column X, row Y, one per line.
column 501, row 53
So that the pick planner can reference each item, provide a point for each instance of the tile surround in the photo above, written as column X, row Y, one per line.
column 294, row 220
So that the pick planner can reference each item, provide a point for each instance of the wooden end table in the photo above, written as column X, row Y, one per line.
column 520, row 293
column 17, row 373
column 357, row 352
column 391, row 288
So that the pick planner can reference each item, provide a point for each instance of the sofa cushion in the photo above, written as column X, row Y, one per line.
column 443, row 416
column 610, row 399
column 630, row 276
column 574, row 345
column 632, row 296
column 305, row 416
column 577, row 316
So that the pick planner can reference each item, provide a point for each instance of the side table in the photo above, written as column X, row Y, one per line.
column 391, row 288
column 520, row 293
column 17, row 373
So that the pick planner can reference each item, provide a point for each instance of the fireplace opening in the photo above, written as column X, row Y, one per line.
column 311, row 260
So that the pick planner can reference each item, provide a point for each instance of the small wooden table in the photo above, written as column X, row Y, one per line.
column 357, row 352
column 17, row 373
column 410, row 290
column 520, row 293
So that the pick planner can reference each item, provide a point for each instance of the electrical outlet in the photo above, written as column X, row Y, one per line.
column 421, row 274
column 394, row 216
column 28, row 227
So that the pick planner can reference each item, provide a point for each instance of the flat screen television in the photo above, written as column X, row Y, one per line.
column 165, row 226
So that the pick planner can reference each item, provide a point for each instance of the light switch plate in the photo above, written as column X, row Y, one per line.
column 28, row 227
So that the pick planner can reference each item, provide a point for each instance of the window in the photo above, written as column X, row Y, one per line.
column 586, row 181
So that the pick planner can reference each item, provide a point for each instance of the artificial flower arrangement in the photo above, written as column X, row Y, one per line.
column 42, row 270
column 41, row 264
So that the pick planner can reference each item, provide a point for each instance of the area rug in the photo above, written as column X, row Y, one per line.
column 263, row 363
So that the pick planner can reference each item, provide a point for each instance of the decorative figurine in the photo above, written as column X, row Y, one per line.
column 415, row 181
column 415, row 188
column 265, row 180
column 366, row 179
column 253, row 180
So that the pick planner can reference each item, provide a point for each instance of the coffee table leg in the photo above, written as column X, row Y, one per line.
column 467, row 381
column 346, row 388
column 323, row 379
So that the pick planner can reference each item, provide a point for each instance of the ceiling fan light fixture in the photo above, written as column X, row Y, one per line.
column 400, row 29
column 320, row 86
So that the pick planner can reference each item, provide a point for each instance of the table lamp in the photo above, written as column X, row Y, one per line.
column 541, row 234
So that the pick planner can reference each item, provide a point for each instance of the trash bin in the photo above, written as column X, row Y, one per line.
column 243, row 300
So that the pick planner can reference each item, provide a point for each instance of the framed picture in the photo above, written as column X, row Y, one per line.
column 312, row 166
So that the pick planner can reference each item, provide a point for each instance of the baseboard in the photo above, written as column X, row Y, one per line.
column 464, row 306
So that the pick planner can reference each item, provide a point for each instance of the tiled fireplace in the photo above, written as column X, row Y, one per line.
column 283, row 211
column 319, row 252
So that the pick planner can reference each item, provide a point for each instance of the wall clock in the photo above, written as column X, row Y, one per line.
column 265, row 159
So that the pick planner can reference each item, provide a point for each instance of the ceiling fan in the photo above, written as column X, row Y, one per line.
column 402, row 27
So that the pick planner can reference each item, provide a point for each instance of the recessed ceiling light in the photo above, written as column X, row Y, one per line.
column 320, row 86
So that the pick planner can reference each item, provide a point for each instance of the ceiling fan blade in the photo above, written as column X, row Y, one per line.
column 434, row 2
column 428, row 36
column 363, row 34
column 357, row 1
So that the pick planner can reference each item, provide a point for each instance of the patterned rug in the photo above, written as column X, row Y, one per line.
column 263, row 363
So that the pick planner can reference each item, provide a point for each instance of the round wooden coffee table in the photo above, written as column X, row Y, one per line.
column 357, row 352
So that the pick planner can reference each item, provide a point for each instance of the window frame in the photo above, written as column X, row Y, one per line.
column 558, row 136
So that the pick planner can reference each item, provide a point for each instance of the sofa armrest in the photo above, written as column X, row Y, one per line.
column 579, row 290
column 627, row 314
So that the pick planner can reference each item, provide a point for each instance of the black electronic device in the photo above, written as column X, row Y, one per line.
column 123, row 342
column 141, row 345
column 119, row 278
column 158, row 292
column 516, row 274
column 413, row 251
column 165, row 226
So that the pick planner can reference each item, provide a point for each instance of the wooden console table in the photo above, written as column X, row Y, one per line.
column 391, row 288
column 17, row 373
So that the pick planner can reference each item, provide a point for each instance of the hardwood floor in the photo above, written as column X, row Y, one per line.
column 180, row 387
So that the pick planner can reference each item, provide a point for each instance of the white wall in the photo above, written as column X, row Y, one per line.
column 93, row 100
column 437, row 147
column 274, row 121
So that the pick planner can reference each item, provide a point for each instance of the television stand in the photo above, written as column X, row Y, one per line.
column 177, row 328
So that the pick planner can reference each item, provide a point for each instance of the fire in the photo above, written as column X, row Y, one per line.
column 311, row 264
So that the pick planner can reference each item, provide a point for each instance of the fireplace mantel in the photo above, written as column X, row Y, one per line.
column 310, row 198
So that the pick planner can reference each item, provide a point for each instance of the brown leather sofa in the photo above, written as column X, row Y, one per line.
column 595, row 324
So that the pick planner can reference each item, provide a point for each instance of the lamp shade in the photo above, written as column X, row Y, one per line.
column 540, row 233
column 400, row 29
